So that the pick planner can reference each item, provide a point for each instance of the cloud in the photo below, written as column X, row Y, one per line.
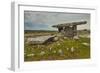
column 44, row 20
column 34, row 26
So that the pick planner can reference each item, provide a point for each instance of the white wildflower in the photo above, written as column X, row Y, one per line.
column 72, row 49
column 30, row 54
column 67, row 49
column 54, row 51
column 60, row 51
column 86, row 44
column 50, row 48
column 42, row 53
column 58, row 44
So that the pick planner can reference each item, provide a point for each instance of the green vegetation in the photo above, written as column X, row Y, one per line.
column 59, row 50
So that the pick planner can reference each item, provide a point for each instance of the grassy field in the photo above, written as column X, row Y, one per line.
column 58, row 50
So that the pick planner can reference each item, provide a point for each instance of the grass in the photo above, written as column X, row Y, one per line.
column 59, row 50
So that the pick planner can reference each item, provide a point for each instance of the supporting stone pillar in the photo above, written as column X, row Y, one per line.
column 75, row 30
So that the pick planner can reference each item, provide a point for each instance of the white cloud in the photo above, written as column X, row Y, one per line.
column 35, row 20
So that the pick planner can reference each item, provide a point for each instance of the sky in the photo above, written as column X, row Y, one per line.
column 36, row 20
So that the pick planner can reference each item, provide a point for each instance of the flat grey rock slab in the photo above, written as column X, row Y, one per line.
column 39, row 39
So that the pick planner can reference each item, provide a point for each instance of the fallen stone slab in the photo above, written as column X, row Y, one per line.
column 40, row 39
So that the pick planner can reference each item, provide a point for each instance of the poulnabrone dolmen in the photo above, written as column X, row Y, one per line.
column 69, row 29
